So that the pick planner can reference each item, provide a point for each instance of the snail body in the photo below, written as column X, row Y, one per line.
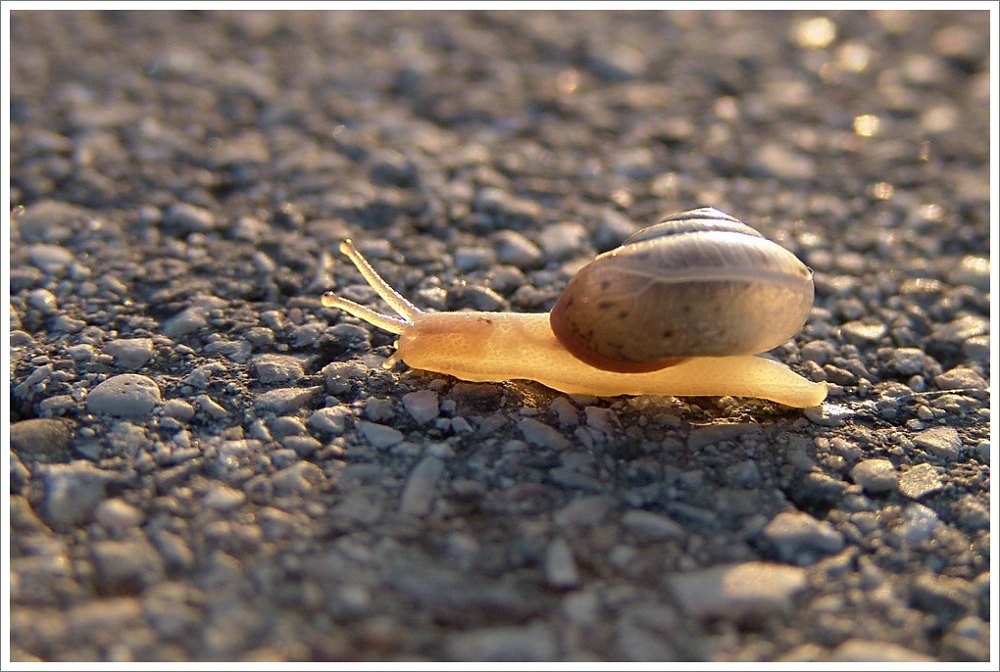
column 497, row 346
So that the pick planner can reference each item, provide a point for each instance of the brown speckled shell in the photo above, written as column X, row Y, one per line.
column 699, row 283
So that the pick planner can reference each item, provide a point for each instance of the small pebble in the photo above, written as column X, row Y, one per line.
column 43, row 301
column 795, row 534
column 277, row 368
column 919, row 481
column 776, row 160
column 39, row 437
column 539, row 434
column 908, row 361
column 516, row 249
column 125, row 566
column 560, row 569
column 332, row 419
column 875, row 476
column 189, row 217
column 185, row 322
column 297, row 479
column 420, row 491
column 422, row 405
column 178, row 409
column 584, row 511
column 129, row 353
column 919, row 525
column 72, row 492
column 285, row 400
column 50, row 221
column 960, row 378
column 379, row 435
column 977, row 348
column 530, row 643
column 473, row 258
column 562, row 241
column 972, row 270
column 942, row 442
column 648, row 527
column 738, row 591
column 50, row 258
column 870, row 651
column 862, row 334
column 125, row 395
column 210, row 407
column 224, row 499
column 118, row 514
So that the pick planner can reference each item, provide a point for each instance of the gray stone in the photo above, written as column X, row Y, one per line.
column 514, row 248
column 422, row 405
column 332, row 419
column 43, row 301
column 125, row 566
column 178, row 409
column 277, row 368
column 40, row 438
column 418, row 495
column 920, row 524
column 379, row 435
column 943, row 442
column 189, row 217
column 285, row 400
column 50, row 258
column 777, row 160
column 908, row 361
column 117, row 514
column 233, row 350
column 649, row 527
column 871, row 651
column 738, row 591
column 72, row 493
column 298, row 478
column 210, row 407
column 794, row 533
column 861, row 333
column 972, row 270
column 224, row 499
column 50, row 221
column 185, row 322
column 534, row 643
column 125, row 395
column 961, row 329
column 919, row 481
column 961, row 378
column 539, row 434
column 563, row 240
column 875, row 476
column 130, row 353
column 584, row 511
column 561, row 571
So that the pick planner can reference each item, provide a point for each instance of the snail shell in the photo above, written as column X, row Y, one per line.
column 698, row 283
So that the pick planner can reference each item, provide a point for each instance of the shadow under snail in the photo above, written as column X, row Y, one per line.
column 681, row 308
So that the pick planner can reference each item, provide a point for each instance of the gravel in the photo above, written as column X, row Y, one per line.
column 206, row 464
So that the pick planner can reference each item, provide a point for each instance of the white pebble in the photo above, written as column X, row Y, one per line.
column 50, row 258
column 422, row 405
column 378, row 435
column 128, row 394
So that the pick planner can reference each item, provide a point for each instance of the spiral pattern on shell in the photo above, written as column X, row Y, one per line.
column 698, row 283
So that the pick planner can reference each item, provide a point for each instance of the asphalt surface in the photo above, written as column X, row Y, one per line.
column 205, row 464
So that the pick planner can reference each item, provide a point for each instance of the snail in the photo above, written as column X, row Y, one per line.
column 682, row 308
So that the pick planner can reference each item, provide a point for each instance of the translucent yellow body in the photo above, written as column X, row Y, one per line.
column 493, row 347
